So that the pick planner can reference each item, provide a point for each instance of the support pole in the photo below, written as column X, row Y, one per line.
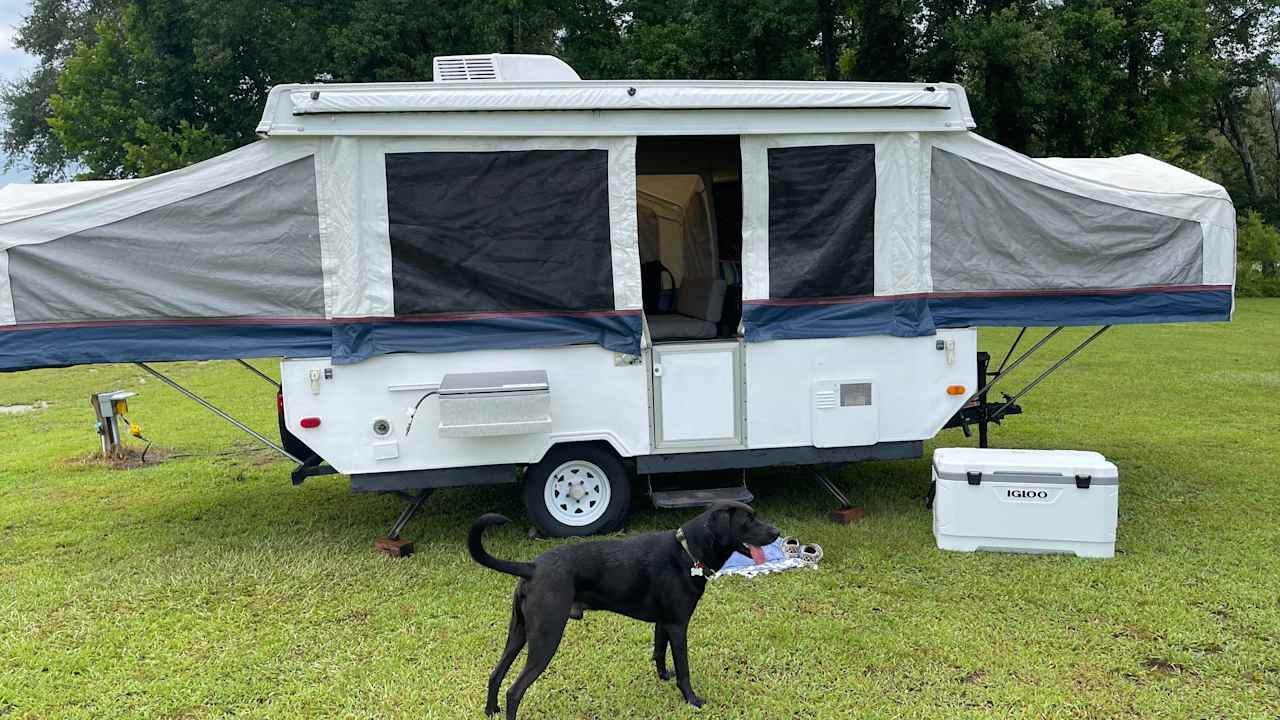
column 1021, row 358
column 107, row 431
column 984, row 417
column 259, row 373
column 996, row 415
column 415, row 504
column 393, row 545
column 211, row 408
column 844, row 514
column 1009, row 354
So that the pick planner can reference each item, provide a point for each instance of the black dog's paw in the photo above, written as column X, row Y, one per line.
column 491, row 710
column 694, row 701
column 664, row 675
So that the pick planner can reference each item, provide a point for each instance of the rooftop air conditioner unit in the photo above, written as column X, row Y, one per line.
column 497, row 67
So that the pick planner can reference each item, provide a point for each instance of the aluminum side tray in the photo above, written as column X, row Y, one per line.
column 486, row 404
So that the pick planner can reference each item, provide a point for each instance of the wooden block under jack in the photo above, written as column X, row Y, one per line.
column 394, row 548
column 846, row 515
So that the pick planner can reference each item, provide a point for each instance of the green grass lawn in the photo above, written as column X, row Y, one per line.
column 208, row 586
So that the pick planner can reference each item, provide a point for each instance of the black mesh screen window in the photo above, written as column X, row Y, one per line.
column 499, row 231
column 822, row 204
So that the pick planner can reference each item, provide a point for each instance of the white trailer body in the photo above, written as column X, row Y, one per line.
column 593, row 278
column 709, row 396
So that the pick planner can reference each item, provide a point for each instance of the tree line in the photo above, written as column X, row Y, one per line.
column 127, row 88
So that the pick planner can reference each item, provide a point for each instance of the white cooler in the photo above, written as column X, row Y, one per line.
column 1037, row 501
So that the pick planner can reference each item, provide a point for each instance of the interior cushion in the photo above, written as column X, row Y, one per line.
column 701, row 298
column 680, row 327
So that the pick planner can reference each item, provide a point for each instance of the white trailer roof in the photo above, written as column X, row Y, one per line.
column 637, row 107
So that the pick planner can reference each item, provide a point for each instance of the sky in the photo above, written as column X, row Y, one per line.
column 13, row 64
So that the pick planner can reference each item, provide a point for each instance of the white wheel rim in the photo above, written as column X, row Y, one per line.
column 577, row 493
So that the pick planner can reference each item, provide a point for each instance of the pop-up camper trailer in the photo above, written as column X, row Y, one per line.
column 512, row 275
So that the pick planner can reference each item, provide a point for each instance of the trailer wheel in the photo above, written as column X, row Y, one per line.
column 577, row 490
column 288, row 440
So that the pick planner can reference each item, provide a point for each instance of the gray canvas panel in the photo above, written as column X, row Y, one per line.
column 249, row 249
column 994, row 231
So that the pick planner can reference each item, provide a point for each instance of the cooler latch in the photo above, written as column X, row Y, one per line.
column 1082, row 481
column 975, row 478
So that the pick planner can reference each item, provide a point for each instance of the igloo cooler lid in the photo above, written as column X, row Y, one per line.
column 1033, row 466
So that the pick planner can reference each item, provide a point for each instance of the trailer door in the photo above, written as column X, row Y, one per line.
column 697, row 396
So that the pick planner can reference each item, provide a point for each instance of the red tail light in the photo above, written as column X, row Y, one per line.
column 309, row 422
column 280, row 403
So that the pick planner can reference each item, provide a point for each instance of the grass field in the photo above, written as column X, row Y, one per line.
column 207, row 586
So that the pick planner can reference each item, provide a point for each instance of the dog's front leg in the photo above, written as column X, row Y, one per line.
column 677, row 634
column 660, row 651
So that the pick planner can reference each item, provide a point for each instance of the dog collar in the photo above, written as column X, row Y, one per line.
column 698, row 569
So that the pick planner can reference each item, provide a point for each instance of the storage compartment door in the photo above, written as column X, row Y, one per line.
column 697, row 399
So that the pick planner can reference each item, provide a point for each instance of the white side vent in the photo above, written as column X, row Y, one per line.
column 464, row 68
column 825, row 399
column 844, row 413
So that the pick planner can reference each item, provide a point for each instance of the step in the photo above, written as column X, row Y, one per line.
column 700, row 497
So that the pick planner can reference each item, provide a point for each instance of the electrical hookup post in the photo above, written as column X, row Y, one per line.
column 111, row 408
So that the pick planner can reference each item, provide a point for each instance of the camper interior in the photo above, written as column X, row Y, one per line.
column 689, row 218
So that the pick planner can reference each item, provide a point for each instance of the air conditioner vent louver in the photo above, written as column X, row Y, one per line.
column 825, row 399
column 855, row 394
column 464, row 68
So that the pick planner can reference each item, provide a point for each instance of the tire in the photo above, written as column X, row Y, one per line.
column 599, row 476
column 288, row 440
column 292, row 444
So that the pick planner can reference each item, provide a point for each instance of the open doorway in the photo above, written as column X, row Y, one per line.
column 689, row 214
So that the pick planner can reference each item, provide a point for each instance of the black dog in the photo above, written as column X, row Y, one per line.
column 657, row 577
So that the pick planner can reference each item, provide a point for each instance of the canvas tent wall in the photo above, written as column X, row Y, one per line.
column 902, row 233
column 339, row 247
column 385, row 219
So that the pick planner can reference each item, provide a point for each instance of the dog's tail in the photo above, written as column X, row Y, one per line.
column 482, row 556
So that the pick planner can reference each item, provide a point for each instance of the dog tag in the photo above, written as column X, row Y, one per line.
column 696, row 570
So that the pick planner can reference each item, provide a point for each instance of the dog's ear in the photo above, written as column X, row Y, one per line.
column 721, row 525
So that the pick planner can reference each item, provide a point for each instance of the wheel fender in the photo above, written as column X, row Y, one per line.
column 606, row 442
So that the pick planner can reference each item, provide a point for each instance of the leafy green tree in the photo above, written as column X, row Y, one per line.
column 886, row 40
column 1258, row 256
column 938, row 55
column 1127, row 76
column 395, row 40
column 51, row 31
column 1007, row 60
column 129, row 87
column 732, row 39
column 94, row 113
column 1245, row 43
